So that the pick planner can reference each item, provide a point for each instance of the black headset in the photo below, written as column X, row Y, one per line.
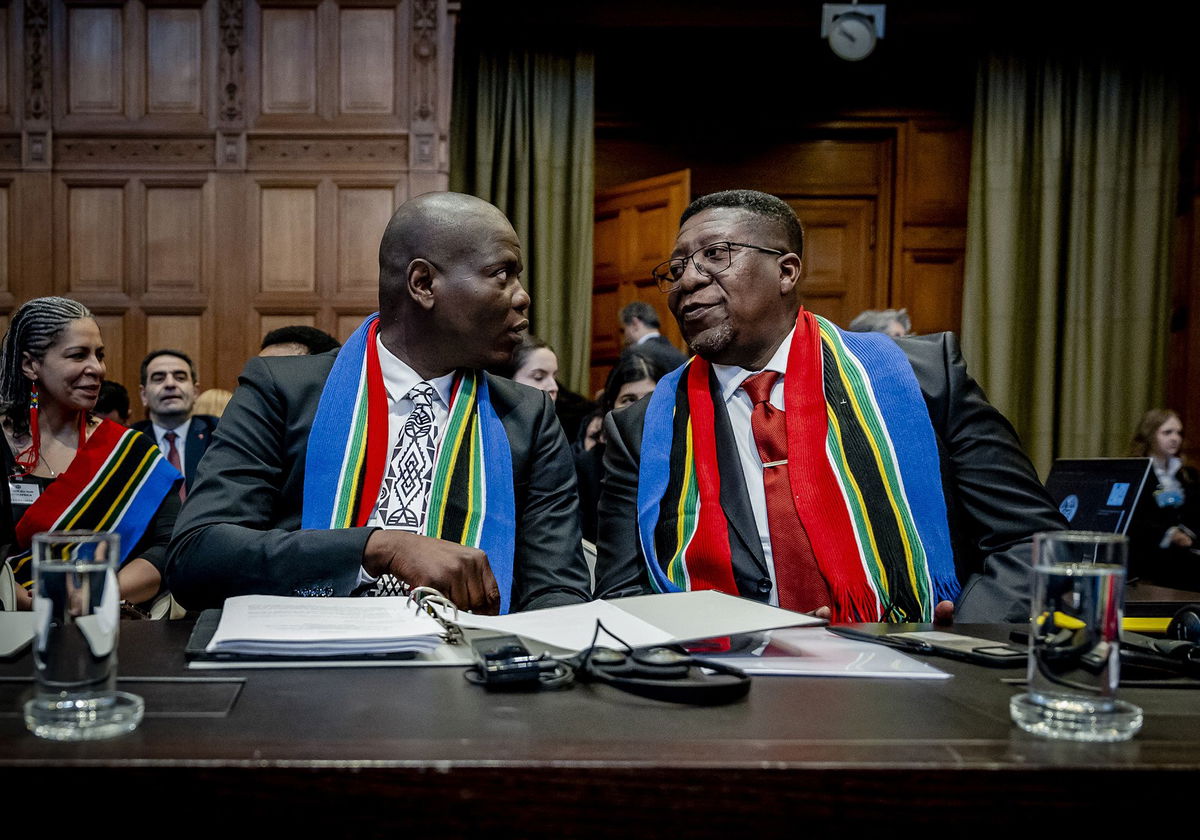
column 662, row 673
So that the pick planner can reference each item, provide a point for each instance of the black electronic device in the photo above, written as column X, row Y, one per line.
column 504, row 663
column 662, row 673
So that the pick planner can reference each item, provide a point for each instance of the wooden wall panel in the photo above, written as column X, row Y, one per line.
column 173, row 61
column 347, row 324
column 4, row 80
column 367, row 54
column 362, row 215
column 116, row 354
column 95, row 76
column 96, row 238
column 838, row 254
column 289, row 61
column 175, row 225
column 931, row 286
column 266, row 323
column 176, row 332
column 288, row 237
column 4, row 238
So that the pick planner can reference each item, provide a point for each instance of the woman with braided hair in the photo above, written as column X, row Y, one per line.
column 66, row 469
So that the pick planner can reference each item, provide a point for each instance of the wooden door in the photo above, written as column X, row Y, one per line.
column 635, row 227
column 839, row 256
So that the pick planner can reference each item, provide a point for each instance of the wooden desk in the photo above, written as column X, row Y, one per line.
column 398, row 751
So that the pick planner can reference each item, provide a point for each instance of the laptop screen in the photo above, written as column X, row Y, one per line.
column 1098, row 494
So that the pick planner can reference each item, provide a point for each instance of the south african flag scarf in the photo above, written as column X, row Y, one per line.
column 472, row 494
column 116, row 482
column 863, row 465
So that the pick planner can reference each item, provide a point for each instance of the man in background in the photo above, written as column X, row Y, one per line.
column 168, row 392
column 640, row 323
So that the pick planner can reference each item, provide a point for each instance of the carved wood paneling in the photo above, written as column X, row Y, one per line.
column 930, row 287
column 37, row 59
column 96, row 238
column 367, row 54
column 230, row 65
column 174, row 65
column 345, row 153
column 935, row 177
column 289, row 61
column 839, row 280
column 95, row 60
column 175, row 246
column 287, row 239
column 266, row 323
column 362, row 214
column 133, row 152
column 347, row 324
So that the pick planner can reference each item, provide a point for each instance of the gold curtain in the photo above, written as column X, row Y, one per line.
column 521, row 138
column 1065, row 303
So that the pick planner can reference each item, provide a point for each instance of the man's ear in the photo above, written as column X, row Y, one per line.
column 420, row 282
column 142, row 394
column 791, row 270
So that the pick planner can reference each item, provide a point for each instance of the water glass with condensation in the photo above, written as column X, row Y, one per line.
column 1074, row 636
column 77, row 607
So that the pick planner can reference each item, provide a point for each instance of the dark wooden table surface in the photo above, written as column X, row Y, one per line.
column 419, row 750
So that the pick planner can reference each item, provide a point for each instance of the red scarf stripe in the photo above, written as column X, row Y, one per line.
column 708, row 553
column 817, row 493
column 378, row 443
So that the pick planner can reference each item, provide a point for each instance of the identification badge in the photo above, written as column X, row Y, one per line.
column 1168, row 498
column 22, row 493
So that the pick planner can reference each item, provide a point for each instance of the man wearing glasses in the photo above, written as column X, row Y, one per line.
column 838, row 473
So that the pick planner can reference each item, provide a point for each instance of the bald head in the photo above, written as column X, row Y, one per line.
column 440, row 227
column 450, row 294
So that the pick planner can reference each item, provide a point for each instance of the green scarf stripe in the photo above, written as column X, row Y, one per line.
column 858, row 513
column 477, row 478
column 117, row 492
column 851, row 367
column 666, row 543
column 865, row 446
column 461, row 410
column 676, row 568
column 110, row 494
column 351, row 474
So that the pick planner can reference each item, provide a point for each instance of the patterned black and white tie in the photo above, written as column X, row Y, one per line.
column 404, row 493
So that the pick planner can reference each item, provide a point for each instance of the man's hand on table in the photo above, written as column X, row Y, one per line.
column 943, row 613
column 459, row 572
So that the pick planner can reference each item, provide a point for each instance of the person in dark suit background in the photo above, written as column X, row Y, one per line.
column 640, row 323
column 280, row 506
column 168, row 391
column 853, row 524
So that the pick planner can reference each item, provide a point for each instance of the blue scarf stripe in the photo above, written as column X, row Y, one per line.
column 655, row 470
column 148, row 498
column 331, row 431
column 903, row 409
column 498, row 539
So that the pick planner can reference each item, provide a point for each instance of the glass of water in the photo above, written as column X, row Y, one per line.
column 1074, row 636
column 77, row 607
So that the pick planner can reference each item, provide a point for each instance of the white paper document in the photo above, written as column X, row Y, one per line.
column 815, row 652
column 572, row 628
column 272, row 625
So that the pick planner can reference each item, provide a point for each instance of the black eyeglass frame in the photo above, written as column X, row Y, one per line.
column 666, row 284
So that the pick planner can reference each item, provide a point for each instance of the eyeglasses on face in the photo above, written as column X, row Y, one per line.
column 710, row 261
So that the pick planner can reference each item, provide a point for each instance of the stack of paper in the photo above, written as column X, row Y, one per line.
column 269, row 625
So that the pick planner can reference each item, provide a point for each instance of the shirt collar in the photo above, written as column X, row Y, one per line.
column 731, row 377
column 180, row 431
column 399, row 378
column 648, row 336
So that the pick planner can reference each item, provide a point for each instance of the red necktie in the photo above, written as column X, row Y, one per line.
column 173, row 460
column 801, row 586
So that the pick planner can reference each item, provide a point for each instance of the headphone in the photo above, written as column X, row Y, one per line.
column 662, row 673
column 1185, row 626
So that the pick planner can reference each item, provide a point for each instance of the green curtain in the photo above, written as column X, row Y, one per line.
column 521, row 138
column 1065, row 302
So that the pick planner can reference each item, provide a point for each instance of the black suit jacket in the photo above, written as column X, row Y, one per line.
column 994, row 500
column 665, row 355
column 239, row 532
column 199, row 437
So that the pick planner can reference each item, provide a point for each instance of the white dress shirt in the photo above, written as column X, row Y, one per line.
column 737, row 404
column 181, row 436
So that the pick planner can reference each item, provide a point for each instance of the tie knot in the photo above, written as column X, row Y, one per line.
column 758, row 387
column 170, row 437
column 422, row 393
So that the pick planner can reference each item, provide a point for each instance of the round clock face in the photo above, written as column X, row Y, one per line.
column 852, row 36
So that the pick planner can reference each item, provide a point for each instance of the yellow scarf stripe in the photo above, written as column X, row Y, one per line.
column 106, row 477
column 858, row 502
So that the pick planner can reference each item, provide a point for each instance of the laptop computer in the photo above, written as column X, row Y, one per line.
column 1098, row 494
